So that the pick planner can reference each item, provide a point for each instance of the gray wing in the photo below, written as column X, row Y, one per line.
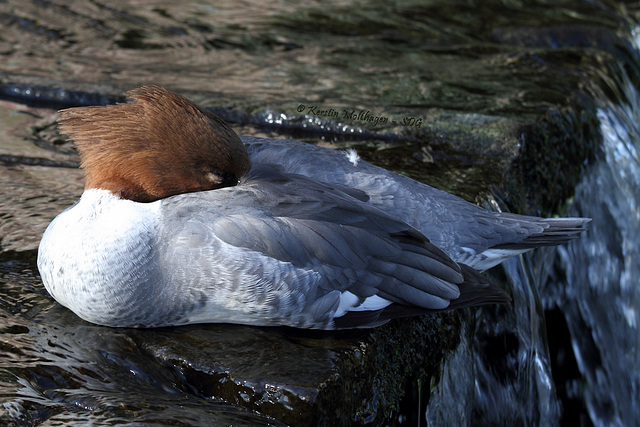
column 466, row 232
column 350, row 247
column 356, row 246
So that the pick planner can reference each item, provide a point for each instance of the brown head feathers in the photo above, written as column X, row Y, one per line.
column 160, row 145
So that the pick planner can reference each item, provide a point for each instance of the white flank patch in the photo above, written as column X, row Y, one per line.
column 350, row 302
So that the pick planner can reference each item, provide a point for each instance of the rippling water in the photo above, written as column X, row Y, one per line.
column 472, row 74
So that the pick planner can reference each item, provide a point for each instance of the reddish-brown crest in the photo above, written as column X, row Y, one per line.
column 159, row 145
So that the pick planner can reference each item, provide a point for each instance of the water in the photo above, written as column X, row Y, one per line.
column 599, row 294
column 474, row 73
column 502, row 375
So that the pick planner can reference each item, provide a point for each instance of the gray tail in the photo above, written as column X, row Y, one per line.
column 555, row 231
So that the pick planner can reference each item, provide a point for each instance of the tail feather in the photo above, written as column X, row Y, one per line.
column 556, row 231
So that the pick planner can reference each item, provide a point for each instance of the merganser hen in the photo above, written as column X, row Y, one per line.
column 183, row 222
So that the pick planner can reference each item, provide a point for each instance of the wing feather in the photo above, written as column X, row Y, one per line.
column 348, row 244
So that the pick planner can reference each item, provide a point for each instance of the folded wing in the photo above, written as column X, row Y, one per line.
column 363, row 261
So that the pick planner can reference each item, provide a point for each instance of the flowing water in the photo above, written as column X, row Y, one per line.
column 599, row 294
column 438, row 90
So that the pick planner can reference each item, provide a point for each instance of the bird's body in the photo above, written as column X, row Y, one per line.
column 308, row 237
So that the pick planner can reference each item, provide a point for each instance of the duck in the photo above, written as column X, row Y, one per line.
column 184, row 222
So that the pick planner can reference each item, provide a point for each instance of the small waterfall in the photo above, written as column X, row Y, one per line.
column 600, row 295
column 589, row 293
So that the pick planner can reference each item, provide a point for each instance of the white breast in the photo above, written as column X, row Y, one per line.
column 97, row 255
